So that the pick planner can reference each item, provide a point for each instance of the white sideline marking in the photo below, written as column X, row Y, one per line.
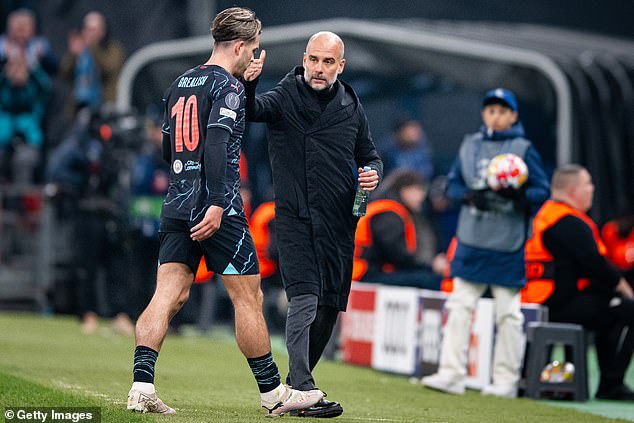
column 81, row 389
column 371, row 419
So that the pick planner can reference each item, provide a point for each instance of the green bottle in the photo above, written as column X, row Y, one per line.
column 361, row 199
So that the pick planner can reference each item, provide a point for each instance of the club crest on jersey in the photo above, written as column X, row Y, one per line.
column 232, row 100
column 177, row 166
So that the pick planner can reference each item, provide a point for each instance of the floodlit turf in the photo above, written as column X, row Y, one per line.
column 48, row 362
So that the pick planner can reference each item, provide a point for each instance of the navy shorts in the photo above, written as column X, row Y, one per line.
column 230, row 251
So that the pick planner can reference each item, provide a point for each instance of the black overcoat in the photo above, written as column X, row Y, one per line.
column 314, row 158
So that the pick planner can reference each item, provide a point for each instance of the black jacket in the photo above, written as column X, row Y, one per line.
column 314, row 157
column 576, row 255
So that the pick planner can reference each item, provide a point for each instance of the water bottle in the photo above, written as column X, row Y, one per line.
column 361, row 199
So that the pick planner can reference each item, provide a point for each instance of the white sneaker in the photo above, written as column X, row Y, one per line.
column 147, row 403
column 500, row 390
column 294, row 400
column 444, row 383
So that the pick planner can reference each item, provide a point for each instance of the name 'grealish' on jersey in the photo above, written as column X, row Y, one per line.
column 202, row 98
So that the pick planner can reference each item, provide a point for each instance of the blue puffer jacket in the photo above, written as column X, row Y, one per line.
column 493, row 267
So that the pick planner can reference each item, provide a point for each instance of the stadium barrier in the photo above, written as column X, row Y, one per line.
column 399, row 330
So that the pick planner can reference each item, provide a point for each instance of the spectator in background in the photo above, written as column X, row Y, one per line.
column 492, row 230
column 577, row 282
column 407, row 148
column 24, row 93
column 92, row 64
column 21, row 38
column 395, row 242
column 84, row 176
column 618, row 235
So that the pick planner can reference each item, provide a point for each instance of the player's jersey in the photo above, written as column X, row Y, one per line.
column 204, row 97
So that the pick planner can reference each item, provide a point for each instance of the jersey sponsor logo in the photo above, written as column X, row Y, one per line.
column 228, row 113
column 232, row 100
column 177, row 166
column 236, row 87
column 192, row 165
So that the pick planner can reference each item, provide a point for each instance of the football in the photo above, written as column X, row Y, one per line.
column 506, row 171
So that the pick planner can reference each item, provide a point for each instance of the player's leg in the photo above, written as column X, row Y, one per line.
column 253, row 340
column 172, row 291
column 251, row 331
column 509, row 343
column 173, row 282
column 179, row 256
column 231, row 253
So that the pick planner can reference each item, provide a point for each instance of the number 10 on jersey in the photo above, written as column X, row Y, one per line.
column 187, row 132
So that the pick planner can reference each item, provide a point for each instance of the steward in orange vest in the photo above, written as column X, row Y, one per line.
column 372, row 255
column 540, row 264
column 260, row 225
column 566, row 248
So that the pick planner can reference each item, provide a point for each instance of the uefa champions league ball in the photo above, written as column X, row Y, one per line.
column 506, row 171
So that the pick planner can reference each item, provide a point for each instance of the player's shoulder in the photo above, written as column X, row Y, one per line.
column 226, row 81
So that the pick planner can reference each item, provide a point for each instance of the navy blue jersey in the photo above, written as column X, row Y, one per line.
column 202, row 98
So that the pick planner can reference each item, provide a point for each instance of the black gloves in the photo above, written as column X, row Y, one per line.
column 489, row 200
column 511, row 193
column 478, row 199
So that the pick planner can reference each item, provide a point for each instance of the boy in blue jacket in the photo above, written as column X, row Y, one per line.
column 492, row 230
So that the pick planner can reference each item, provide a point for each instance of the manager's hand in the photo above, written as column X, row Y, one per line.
column 369, row 180
column 255, row 67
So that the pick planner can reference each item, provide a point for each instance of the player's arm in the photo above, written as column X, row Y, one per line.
column 167, row 148
column 215, row 162
column 165, row 129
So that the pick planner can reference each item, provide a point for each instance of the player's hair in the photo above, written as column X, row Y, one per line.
column 235, row 23
column 566, row 176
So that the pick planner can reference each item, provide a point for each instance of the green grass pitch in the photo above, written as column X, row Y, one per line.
column 48, row 362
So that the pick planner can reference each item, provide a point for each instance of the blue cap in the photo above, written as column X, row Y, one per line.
column 500, row 96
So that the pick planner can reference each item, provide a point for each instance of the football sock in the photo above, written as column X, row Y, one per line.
column 146, row 388
column 265, row 371
column 144, row 361
column 276, row 395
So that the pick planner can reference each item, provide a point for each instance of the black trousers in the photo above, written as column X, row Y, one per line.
column 308, row 329
column 612, row 321
column 100, row 250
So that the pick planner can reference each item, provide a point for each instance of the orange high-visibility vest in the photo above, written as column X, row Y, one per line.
column 446, row 285
column 539, row 262
column 203, row 274
column 259, row 225
column 363, row 237
column 620, row 250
